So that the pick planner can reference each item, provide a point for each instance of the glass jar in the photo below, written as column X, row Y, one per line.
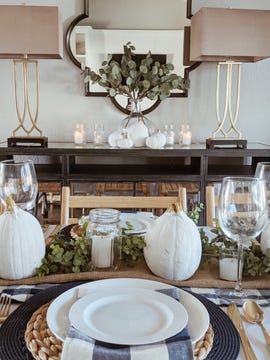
column 104, row 234
column 137, row 124
column 79, row 135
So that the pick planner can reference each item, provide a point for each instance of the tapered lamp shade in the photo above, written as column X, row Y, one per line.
column 219, row 34
column 35, row 31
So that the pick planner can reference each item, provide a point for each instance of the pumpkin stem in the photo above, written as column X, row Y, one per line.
column 176, row 207
column 10, row 204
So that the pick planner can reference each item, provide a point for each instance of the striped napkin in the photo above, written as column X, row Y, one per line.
column 80, row 346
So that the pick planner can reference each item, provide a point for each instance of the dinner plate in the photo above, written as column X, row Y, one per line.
column 58, row 311
column 139, row 223
column 128, row 316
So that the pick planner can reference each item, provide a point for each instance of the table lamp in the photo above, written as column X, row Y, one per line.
column 28, row 33
column 229, row 37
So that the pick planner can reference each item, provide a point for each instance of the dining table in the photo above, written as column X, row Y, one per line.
column 33, row 293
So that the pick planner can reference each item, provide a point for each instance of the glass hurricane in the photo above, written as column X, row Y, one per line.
column 242, row 213
column 18, row 180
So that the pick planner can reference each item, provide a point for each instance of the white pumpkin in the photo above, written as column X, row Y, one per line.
column 173, row 246
column 265, row 238
column 156, row 141
column 125, row 142
column 138, row 133
column 114, row 137
column 22, row 244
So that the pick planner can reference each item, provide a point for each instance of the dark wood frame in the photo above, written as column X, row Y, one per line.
column 87, row 85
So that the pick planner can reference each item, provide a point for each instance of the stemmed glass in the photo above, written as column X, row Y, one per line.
column 18, row 180
column 242, row 213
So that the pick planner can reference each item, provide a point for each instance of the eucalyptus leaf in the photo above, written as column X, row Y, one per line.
column 129, row 78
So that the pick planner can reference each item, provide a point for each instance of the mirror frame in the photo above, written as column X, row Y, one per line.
column 87, row 85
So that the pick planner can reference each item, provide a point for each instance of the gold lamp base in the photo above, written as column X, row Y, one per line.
column 212, row 143
column 27, row 141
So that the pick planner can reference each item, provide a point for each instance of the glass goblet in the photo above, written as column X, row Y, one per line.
column 242, row 213
column 18, row 180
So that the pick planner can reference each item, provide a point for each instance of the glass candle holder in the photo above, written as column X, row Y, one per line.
column 99, row 134
column 79, row 135
column 104, row 235
column 185, row 135
column 228, row 265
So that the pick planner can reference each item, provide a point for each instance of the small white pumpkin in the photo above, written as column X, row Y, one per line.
column 138, row 133
column 125, row 142
column 173, row 246
column 22, row 244
column 114, row 137
column 156, row 141
column 265, row 238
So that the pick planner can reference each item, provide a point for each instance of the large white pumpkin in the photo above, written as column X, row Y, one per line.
column 22, row 244
column 173, row 246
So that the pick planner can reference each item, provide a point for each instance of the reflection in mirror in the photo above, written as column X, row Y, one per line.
column 91, row 37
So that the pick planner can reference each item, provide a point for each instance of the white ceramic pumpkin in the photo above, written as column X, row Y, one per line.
column 114, row 137
column 156, row 141
column 265, row 238
column 125, row 142
column 173, row 246
column 138, row 133
column 22, row 244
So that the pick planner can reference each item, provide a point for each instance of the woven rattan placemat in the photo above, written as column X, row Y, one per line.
column 12, row 333
column 45, row 346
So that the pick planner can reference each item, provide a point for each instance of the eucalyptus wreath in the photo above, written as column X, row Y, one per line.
column 148, row 78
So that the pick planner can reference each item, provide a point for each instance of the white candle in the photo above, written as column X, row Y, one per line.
column 101, row 251
column 228, row 268
column 79, row 134
column 185, row 135
column 78, row 137
column 186, row 138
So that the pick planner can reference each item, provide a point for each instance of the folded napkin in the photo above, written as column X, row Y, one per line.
column 80, row 346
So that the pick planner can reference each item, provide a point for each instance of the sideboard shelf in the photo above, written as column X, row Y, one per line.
column 65, row 163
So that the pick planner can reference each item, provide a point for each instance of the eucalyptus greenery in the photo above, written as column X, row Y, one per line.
column 255, row 262
column 134, row 80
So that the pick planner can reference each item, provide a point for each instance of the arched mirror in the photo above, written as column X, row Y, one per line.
column 105, row 26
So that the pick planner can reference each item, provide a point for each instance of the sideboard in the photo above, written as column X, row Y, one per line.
column 66, row 163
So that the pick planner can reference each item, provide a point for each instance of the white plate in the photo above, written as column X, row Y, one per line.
column 128, row 316
column 57, row 315
column 139, row 224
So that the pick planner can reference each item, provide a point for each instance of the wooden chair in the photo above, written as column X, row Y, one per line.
column 70, row 202
column 211, row 201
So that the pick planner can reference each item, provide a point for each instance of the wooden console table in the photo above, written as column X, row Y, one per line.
column 65, row 163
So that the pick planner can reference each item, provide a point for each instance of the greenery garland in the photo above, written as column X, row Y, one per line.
column 72, row 255
column 255, row 262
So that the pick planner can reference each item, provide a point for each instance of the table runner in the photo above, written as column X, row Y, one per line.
column 206, row 277
column 12, row 345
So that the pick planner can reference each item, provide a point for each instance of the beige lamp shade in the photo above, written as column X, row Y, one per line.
column 219, row 34
column 35, row 31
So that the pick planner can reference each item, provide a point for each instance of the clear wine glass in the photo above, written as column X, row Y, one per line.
column 18, row 180
column 242, row 216
column 263, row 172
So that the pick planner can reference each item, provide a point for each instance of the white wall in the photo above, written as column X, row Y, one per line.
column 63, row 104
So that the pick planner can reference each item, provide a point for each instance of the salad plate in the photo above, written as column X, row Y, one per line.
column 128, row 316
column 58, row 311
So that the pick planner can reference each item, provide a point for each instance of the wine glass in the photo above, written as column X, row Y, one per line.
column 18, row 179
column 242, row 216
column 263, row 172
